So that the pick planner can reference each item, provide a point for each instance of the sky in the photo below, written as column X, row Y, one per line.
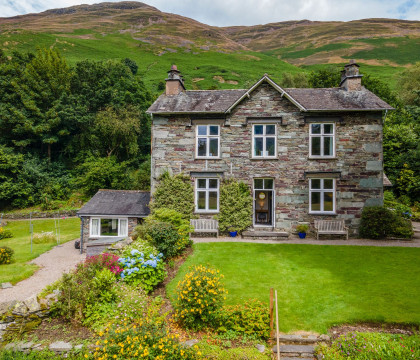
column 249, row 12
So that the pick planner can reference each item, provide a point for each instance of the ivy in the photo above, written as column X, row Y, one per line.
column 235, row 206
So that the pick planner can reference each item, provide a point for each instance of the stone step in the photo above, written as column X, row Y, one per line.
column 269, row 235
column 296, row 350
column 295, row 358
column 289, row 339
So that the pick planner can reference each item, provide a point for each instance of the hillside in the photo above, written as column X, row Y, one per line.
column 211, row 56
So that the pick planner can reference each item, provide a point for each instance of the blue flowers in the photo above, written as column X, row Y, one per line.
column 133, row 265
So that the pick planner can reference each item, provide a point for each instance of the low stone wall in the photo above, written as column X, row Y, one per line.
column 40, row 215
column 17, row 317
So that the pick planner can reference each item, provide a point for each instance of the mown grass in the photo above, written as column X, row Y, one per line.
column 19, row 269
column 318, row 286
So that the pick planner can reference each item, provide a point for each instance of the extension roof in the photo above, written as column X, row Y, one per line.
column 132, row 203
column 307, row 100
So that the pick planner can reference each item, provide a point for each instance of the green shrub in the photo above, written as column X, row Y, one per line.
column 302, row 228
column 372, row 346
column 163, row 236
column 200, row 296
column 250, row 318
column 6, row 255
column 235, row 213
column 140, row 245
column 378, row 222
column 44, row 237
column 141, row 270
column 176, row 193
column 5, row 234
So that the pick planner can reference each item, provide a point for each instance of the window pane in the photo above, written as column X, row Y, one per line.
column 214, row 130
column 258, row 129
column 202, row 147
column 270, row 129
column 95, row 227
column 201, row 200
column 202, row 129
column 214, row 147
column 328, row 183
column 268, row 183
column 258, row 147
column 328, row 128
column 123, row 227
column 328, row 146
column 315, row 129
column 212, row 200
column 328, row 201
column 109, row 227
column 270, row 143
column 201, row 184
column 315, row 201
column 316, row 146
column 213, row 183
column 315, row 184
column 258, row 184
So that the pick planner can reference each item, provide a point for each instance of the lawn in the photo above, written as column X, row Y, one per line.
column 19, row 269
column 318, row 286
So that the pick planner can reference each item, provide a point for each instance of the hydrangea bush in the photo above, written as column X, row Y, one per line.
column 146, row 271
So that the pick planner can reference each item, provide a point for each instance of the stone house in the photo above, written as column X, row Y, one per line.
column 110, row 216
column 306, row 154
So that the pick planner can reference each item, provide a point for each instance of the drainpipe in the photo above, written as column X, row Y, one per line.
column 82, row 220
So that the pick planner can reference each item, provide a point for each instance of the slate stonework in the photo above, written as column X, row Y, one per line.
column 358, row 156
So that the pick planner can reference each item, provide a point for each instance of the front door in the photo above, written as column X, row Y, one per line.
column 263, row 202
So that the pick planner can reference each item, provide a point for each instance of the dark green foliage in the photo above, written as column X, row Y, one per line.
column 325, row 78
column 163, row 236
column 235, row 213
column 102, row 173
column 297, row 80
column 176, row 193
column 379, row 222
column 6, row 255
column 131, row 64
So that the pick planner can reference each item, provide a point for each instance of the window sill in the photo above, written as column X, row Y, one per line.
column 208, row 158
column 203, row 212
column 264, row 158
column 323, row 213
column 322, row 158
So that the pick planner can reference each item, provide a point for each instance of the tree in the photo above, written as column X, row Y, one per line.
column 298, row 80
column 408, row 84
column 325, row 78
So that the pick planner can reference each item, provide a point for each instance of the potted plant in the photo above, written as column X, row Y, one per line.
column 302, row 229
column 233, row 231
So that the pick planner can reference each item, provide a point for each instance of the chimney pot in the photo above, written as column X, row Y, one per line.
column 174, row 82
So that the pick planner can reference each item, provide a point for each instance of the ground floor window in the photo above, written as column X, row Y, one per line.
column 108, row 227
column 207, row 195
column 322, row 196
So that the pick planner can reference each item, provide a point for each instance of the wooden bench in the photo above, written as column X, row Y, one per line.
column 331, row 227
column 205, row 226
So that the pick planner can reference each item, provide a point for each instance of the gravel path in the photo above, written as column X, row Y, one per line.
column 52, row 264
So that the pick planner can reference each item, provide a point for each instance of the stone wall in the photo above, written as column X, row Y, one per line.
column 132, row 223
column 358, row 158
column 40, row 215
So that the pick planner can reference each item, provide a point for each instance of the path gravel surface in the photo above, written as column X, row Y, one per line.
column 53, row 264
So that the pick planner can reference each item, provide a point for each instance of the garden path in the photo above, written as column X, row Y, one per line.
column 53, row 264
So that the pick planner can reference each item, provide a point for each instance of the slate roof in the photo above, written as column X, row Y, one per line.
column 337, row 99
column 308, row 100
column 117, row 202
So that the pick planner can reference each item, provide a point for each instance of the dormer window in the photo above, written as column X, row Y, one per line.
column 208, row 141
column 322, row 140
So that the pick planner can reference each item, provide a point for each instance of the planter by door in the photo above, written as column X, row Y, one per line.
column 302, row 235
column 233, row 233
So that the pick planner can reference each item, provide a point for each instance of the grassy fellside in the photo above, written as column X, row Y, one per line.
column 20, row 269
column 318, row 286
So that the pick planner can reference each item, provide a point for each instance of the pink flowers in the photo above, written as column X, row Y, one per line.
column 106, row 260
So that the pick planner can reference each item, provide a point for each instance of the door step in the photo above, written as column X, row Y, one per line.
column 265, row 235
column 296, row 351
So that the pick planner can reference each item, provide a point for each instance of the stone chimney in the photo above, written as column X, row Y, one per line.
column 174, row 82
column 350, row 78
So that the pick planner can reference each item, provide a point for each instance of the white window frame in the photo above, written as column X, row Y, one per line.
column 207, row 137
column 264, row 136
column 322, row 136
column 322, row 190
column 207, row 190
column 120, row 232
